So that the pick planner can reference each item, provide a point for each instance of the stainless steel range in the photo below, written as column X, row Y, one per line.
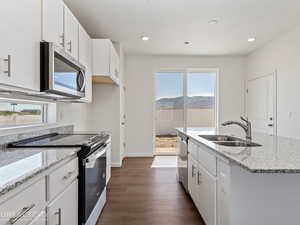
column 92, row 168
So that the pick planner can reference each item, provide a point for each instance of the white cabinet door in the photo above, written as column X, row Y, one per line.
column 64, row 209
column 223, row 185
column 53, row 21
column 206, row 195
column 192, row 178
column 105, row 61
column 85, row 47
column 101, row 57
column 85, row 58
column 40, row 219
column 71, row 33
column 20, row 38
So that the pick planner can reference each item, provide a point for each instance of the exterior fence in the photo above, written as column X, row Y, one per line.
column 168, row 119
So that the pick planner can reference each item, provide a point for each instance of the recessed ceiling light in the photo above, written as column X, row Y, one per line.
column 145, row 38
column 213, row 22
column 187, row 42
column 251, row 39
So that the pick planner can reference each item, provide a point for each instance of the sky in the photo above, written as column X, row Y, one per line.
column 171, row 84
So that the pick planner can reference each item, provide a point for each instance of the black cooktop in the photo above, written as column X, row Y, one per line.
column 58, row 140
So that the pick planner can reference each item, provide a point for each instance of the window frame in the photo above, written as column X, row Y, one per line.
column 185, row 72
column 44, row 111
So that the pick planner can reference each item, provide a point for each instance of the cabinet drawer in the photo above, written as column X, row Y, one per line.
column 61, row 178
column 207, row 159
column 26, row 205
column 193, row 149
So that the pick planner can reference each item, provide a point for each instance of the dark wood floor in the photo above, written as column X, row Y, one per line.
column 140, row 195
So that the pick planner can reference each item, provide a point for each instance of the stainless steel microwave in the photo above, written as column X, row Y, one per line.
column 61, row 74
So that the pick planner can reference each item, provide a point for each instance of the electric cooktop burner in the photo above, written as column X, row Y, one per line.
column 58, row 140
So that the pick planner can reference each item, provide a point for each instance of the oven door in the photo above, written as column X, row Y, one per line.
column 68, row 78
column 93, row 181
column 60, row 73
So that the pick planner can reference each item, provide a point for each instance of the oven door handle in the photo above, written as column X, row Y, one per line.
column 97, row 154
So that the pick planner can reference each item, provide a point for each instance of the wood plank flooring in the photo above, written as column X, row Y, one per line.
column 141, row 195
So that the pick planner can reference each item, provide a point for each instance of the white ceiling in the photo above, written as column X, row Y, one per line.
column 170, row 23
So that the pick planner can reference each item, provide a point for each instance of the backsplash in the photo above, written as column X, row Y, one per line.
column 5, row 139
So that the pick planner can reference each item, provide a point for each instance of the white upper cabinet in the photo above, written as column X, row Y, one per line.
column 60, row 26
column 71, row 26
column 106, row 66
column 85, row 58
column 19, row 46
column 53, row 22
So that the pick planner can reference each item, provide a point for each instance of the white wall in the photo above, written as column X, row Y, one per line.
column 282, row 55
column 140, row 92
column 74, row 113
column 105, row 113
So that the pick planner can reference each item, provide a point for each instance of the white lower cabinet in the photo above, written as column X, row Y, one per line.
column 202, row 183
column 207, row 195
column 192, row 179
column 22, row 207
column 40, row 219
column 223, row 193
column 64, row 209
column 34, row 205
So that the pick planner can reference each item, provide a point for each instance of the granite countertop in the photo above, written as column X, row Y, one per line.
column 19, row 165
column 276, row 155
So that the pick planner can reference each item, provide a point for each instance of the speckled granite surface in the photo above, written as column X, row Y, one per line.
column 276, row 155
column 19, row 165
column 6, row 138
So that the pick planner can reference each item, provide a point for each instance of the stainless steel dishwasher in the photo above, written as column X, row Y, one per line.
column 183, row 161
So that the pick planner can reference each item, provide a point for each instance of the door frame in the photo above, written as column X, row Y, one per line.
column 185, row 71
column 275, row 98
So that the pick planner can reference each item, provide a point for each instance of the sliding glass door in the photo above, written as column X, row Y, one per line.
column 186, row 100
column 169, row 113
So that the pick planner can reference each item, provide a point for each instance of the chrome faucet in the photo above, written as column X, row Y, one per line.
column 246, row 126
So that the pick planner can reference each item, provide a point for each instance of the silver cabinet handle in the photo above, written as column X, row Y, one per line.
column 193, row 170
column 198, row 177
column 68, row 175
column 58, row 213
column 8, row 60
column 70, row 46
column 25, row 210
column 62, row 36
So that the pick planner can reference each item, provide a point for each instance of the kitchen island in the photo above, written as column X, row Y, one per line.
column 244, row 185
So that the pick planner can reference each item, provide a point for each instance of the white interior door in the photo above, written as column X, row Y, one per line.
column 261, row 103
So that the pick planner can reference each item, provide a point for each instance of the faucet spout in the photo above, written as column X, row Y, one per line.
column 246, row 127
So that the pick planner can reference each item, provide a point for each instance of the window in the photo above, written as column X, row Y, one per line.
column 201, row 99
column 18, row 113
column 186, row 99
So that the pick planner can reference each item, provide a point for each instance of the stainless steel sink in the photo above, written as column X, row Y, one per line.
column 237, row 143
column 220, row 138
column 229, row 141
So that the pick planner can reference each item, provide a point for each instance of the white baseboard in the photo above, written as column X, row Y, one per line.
column 116, row 164
column 138, row 154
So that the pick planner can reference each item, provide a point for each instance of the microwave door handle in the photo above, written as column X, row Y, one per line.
column 84, row 81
